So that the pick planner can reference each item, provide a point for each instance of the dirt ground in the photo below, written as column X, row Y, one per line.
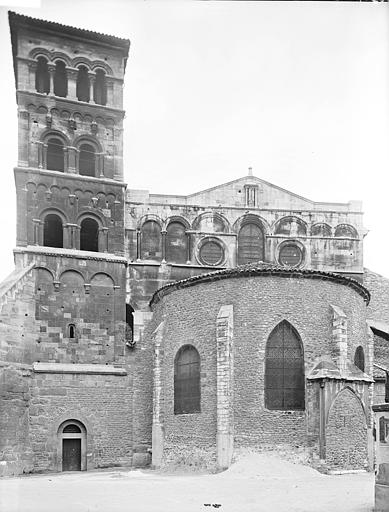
column 256, row 483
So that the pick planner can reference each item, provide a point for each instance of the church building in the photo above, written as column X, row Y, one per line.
column 143, row 329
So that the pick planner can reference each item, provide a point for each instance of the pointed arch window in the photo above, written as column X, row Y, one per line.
column 100, row 88
column 52, row 231
column 176, row 243
column 55, row 155
column 60, row 79
column 89, row 235
column 42, row 76
column 87, row 160
column 82, row 89
column 359, row 358
column 187, row 381
column 284, row 369
column 251, row 244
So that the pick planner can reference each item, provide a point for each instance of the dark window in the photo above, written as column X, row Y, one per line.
column 187, row 381
column 100, row 89
column 387, row 388
column 72, row 429
column 42, row 77
column 250, row 244
column 89, row 235
column 321, row 230
column 87, row 160
column 60, row 79
column 345, row 231
column 359, row 358
column 151, row 242
column 82, row 90
column 290, row 255
column 284, row 369
column 176, row 243
column 129, row 323
column 384, row 429
column 55, row 155
column 52, row 231
column 71, row 331
column 251, row 195
column 211, row 253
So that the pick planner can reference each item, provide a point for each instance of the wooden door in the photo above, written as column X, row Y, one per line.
column 71, row 455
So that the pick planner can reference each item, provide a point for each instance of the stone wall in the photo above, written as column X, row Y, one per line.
column 259, row 304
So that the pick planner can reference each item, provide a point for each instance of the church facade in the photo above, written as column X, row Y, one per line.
column 139, row 327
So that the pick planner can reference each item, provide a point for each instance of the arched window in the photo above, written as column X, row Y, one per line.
column 100, row 88
column 150, row 241
column 284, row 369
column 176, row 243
column 42, row 77
column 71, row 331
column 87, row 160
column 251, row 245
column 129, row 323
column 55, row 155
column 60, row 79
column 52, row 231
column 89, row 235
column 359, row 358
column 345, row 231
column 82, row 90
column 187, row 381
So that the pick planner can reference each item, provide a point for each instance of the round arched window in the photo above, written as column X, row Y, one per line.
column 211, row 253
column 290, row 255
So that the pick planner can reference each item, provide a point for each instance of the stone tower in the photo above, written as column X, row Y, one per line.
column 69, row 178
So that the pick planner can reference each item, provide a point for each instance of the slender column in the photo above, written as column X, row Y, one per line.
column 51, row 68
column 224, row 386
column 72, row 157
column 36, row 228
column 103, row 239
column 92, row 78
column 163, row 233
column 138, row 242
column 188, row 247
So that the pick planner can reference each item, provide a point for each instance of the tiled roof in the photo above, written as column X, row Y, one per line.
column 20, row 19
column 260, row 269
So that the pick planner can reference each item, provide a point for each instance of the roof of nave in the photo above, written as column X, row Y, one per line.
column 16, row 19
column 260, row 268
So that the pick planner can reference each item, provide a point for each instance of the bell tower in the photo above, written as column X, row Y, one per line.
column 69, row 177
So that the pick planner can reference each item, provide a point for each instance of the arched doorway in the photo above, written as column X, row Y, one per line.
column 72, row 446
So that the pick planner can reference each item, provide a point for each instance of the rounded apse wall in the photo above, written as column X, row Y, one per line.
column 262, row 297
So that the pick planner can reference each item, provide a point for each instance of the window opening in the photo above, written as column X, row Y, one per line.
column 71, row 331
column 290, row 255
column 359, row 358
column 72, row 429
column 250, row 244
column 187, row 381
column 42, row 76
column 82, row 89
column 87, row 160
column 211, row 253
column 55, row 155
column 89, row 235
column 176, row 243
column 52, row 231
column 100, row 88
column 60, row 79
column 284, row 370
column 151, row 241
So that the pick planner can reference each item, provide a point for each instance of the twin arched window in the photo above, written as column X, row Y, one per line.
column 53, row 233
column 175, row 247
column 55, row 157
column 187, row 395
column 284, row 369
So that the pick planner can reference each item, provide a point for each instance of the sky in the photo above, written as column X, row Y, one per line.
column 299, row 91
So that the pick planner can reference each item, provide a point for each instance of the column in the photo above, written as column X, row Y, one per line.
column 224, row 386
column 138, row 242
column 163, row 234
column 72, row 157
column 158, row 426
column 189, row 235
column 103, row 239
column 92, row 78
column 51, row 68
column 36, row 233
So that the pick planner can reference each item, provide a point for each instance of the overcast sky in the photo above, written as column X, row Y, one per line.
column 299, row 91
